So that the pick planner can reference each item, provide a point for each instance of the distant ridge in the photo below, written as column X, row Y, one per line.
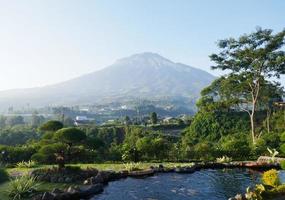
column 145, row 75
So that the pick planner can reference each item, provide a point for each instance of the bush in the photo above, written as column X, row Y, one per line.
column 28, row 164
column 132, row 166
column 224, row 159
column 12, row 155
column 4, row 176
column 271, row 178
column 22, row 187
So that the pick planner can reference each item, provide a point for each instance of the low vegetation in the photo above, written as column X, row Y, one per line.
column 27, row 164
column 224, row 159
column 22, row 187
column 132, row 166
column 271, row 178
column 4, row 176
column 271, row 188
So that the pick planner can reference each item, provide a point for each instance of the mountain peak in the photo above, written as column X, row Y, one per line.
column 145, row 58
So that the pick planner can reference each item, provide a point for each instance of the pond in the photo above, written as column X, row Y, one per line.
column 201, row 185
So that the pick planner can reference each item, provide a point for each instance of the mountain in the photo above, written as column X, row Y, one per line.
column 143, row 76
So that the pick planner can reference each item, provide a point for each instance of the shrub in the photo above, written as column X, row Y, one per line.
column 271, row 178
column 224, row 159
column 22, row 187
column 184, row 165
column 132, row 166
column 255, row 193
column 12, row 155
column 28, row 164
column 273, row 154
column 4, row 176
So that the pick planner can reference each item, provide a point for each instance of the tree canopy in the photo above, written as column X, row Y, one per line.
column 51, row 126
column 251, row 61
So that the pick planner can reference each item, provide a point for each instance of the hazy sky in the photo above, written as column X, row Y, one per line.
column 44, row 42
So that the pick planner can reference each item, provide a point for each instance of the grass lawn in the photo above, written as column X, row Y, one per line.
column 100, row 166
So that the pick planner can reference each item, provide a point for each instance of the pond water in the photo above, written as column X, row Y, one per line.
column 201, row 185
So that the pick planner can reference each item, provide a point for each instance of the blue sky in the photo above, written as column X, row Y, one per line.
column 44, row 42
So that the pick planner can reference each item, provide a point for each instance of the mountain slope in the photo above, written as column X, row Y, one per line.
column 145, row 75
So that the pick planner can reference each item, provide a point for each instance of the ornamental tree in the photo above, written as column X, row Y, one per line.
column 66, row 144
column 51, row 126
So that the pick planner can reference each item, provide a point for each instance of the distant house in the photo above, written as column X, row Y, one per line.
column 84, row 109
column 82, row 120
column 169, row 120
column 279, row 104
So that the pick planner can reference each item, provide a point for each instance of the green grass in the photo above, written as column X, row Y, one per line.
column 101, row 166
column 121, row 166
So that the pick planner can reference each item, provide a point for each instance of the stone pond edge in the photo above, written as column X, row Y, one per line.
column 95, row 184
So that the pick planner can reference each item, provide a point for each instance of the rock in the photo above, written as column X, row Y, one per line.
column 73, row 192
column 39, row 178
column 87, row 182
column 48, row 196
column 148, row 172
column 87, row 191
column 56, row 191
column 184, row 169
column 103, row 177
column 95, row 180
column 37, row 197
column 46, row 178
column 99, row 178
column 66, row 196
column 239, row 197
column 60, row 180
column 124, row 173
column 53, row 179
column 268, row 159
column 72, row 189
column 68, row 180
column 113, row 176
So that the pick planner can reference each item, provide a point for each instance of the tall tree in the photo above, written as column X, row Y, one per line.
column 153, row 118
column 252, row 59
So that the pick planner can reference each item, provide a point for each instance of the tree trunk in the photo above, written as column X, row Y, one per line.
column 252, row 128
column 268, row 121
column 61, row 165
column 254, row 94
